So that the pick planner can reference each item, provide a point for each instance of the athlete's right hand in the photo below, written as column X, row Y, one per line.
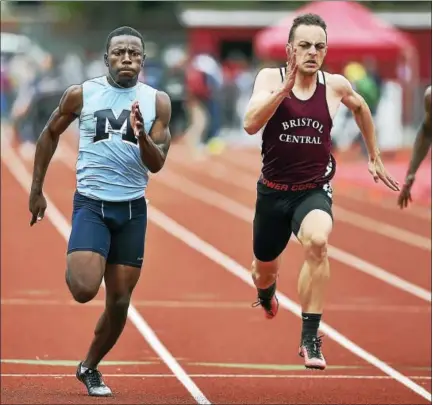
column 137, row 120
column 405, row 194
column 37, row 207
column 292, row 68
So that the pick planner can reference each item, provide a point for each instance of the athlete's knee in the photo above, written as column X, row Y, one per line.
column 118, row 304
column 82, row 293
column 264, row 273
column 84, row 275
column 316, row 247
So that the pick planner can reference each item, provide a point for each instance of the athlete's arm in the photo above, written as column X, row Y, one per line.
column 362, row 114
column 423, row 139
column 154, row 147
column 363, row 118
column 263, row 103
column 68, row 110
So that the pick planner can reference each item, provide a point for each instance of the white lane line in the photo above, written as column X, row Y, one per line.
column 19, row 171
column 282, row 376
column 215, row 199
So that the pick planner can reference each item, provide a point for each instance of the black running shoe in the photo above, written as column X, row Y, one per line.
column 270, row 306
column 92, row 379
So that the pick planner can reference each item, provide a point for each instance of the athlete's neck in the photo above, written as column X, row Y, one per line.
column 126, row 85
column 304, row 82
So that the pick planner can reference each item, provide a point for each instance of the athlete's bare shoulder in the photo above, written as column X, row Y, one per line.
column 69, row 108
column 340, row 90
column 427, row 100
column 427, row 123
column 338, row 83
column 269, row 72
column 267, row 79
column 163, row 107
column 72, row 100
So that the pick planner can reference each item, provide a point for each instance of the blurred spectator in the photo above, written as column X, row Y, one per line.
column 368, row 85
column 32, row 106
column 211, row 82
column 244, row 80
column 5, row 91
column 173, row 83
column 95, row 65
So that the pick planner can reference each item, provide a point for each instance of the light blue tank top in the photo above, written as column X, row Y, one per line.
column 109, row 166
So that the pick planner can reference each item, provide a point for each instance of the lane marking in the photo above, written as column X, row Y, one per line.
column 229, row 305
column 53, row 214
column 249, row 366
column 274, row 367
column 282, row 376
column 73, row 363
column 246, row 214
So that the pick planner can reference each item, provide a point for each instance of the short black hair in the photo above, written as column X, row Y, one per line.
column 307, row 19
column 124, row 31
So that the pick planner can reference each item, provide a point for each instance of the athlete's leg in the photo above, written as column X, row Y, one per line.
column 122, row 274
column 120, row 281
column 271, row 233
column 88, row 247
column 315, row 218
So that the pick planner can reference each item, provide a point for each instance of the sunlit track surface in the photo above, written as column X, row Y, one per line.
column 192, row 298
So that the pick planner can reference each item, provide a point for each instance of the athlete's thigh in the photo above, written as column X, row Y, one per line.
column 127, row 242
column 89, row 242
column 271, row 227
column 313, row 215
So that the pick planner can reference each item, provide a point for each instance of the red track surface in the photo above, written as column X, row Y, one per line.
column 203, row 314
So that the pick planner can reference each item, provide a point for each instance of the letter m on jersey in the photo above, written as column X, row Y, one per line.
column 107, row 124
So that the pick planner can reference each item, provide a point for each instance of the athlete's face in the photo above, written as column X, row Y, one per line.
column 310, row 44
column 125, row 58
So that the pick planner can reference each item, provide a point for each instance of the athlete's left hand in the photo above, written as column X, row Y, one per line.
column 137, row 120
column 377, row 170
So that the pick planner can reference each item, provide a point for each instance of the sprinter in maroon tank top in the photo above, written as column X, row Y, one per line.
column 296, row 145
column 295, row 107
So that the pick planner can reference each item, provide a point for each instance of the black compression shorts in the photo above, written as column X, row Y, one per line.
column 279, row 213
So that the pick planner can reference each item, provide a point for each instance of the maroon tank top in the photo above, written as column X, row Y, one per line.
column 296, row 141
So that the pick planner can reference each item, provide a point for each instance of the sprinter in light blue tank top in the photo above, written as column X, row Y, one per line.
column 109, row 165
column 124, row 134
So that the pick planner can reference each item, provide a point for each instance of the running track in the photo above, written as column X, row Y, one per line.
column 193, row 336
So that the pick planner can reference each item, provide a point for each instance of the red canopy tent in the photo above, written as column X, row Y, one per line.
column 353, row 32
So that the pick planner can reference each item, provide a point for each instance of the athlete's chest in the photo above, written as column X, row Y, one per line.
column 294, row 117
column 107, row 122
column 106, row 116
